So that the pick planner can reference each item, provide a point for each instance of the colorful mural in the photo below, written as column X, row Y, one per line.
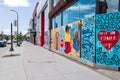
column 55, row 39
column 88, row 39
column 62, row 42
column 108, row 39
column 46, row 39
column 68, row 39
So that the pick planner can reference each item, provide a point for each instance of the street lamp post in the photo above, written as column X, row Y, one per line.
column 17, row 24
column 11, row 48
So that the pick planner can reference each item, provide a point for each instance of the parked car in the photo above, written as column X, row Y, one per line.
column 2, row 43
column 15, row 41
column 9, row 42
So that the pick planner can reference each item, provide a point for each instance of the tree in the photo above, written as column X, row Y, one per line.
column 20, row 37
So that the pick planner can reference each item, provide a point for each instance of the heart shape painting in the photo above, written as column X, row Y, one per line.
column 108, row 39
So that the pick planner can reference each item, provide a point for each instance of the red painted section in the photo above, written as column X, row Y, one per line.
column 42, row 29
column 108, row 39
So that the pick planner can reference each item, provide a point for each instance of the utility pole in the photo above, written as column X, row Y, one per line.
column 11, row 48
column 17, row 23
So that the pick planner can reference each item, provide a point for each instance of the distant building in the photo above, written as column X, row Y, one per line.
column 33, row 25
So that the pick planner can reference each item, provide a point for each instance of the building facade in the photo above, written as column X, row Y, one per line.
column 43, row 23
column 88, row 30
column 33, row 25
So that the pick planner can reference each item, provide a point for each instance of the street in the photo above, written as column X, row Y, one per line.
column 37, row 63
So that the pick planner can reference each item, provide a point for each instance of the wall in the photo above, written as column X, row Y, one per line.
column 108, row 39
column 42, row 29
column 88, row 39
column 92, row 38
column 60, row 44
column 81, row 22
column 46, row 27
column 43, row 34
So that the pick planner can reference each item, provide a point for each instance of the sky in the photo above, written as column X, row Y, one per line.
column 24, row 8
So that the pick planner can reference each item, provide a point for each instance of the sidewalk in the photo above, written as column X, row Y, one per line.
column 11, row 68
column 37, row 63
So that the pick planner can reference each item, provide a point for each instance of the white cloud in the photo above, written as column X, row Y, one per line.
column 16, row 3
column 82, row 7
column 86, row 7
column 7, row 31
column 24, row 32
column 90, row 15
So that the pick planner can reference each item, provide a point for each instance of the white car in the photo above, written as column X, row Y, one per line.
column 9, row 42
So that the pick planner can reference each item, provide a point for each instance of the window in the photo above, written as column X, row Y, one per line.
column 65, row 17
column 87, row 8
column 54, row 2
column 77, row 11
column 74, row 12
column 46, row 19
column 107, row 6
column 53, row 23
column 58, row 20
column 71, row 14
column 112, row 5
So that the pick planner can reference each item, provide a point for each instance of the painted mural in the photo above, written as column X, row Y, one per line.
column 88, row 39
column 46, row 39
column 108, row 39
column 55, row 39
column 68, row 39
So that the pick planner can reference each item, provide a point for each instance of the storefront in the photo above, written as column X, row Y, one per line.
column 43, row 23
column 33, row 25
column 87, row 29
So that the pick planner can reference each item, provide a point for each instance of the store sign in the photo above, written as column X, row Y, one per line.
column 108, row 39
column 32, row 30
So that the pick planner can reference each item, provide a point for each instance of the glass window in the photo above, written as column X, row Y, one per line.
column 87, row 8
column 65, row 17
column 112, row 5
column 54, row 2
column 53, row 23
column 58, row 20
column 107, row 6
column 46, row 19
column 71, row 14
column 74, row 12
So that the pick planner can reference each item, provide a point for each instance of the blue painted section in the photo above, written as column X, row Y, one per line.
column 75, row 37
column 88, row 39
column 108, row 22
column 62, row 36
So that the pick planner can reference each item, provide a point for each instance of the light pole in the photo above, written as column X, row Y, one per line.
column 11, row 48
column 17, row 24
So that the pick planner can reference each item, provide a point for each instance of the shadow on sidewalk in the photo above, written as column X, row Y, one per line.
column 10, row 55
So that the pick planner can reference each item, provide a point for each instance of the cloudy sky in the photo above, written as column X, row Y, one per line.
column 24, row 9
